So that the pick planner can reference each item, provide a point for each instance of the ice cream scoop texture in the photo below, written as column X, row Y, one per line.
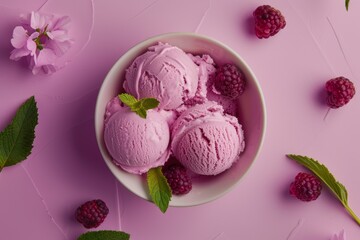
column 205, row 140
column 137, row 144
column 164, row 72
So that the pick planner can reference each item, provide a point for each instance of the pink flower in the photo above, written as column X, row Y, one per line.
column 42, row 38
column 340, row 236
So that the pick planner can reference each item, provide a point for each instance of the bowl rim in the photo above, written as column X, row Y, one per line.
column 148, row 42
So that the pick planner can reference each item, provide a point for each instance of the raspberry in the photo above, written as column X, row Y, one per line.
column 229, row 81
column 268, row 21
column 179, row 181
column 306, row 187
column 340, row 90
column 92, row 213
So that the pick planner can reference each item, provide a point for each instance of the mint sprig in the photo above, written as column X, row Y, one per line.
column 159, row 188
column 138, row 106
column 16, row 140
column 347, row 4
column 128, row 99
column 104, row 235
column 328, row 179
column 149, row 103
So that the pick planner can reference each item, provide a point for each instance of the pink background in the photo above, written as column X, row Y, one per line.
column 39, row 196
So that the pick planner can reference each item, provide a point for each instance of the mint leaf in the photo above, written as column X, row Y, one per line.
column 144, row 104
column 141, row 112
column 16, row 140
column 149, row 103
column 127, row 99
column 138, row 106
column 159, row 188
column 327, row 178
column 347, row 4
column 104, row 235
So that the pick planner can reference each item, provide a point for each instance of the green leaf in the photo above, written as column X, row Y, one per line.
column 104, row 235
column 327, row 178
column 159, row 188
column 136, row 106
column 347, row 4
column 127, row 99
column 141, row 112
column 16, row 140
column 149, row 103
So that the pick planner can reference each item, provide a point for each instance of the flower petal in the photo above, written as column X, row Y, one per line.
column 35, row 70
column 31, row 46
column 18, row 53
column 58, row 35
column 34, row 35
column 59, row 48
column 45, row 62
column 45, row 57
column 58, row 23
column 19, row 37
column 37, row 20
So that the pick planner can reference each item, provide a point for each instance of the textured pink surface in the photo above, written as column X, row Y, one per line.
column 205, row 140
column 172, row 84
column 125, row 131
column 320, row 41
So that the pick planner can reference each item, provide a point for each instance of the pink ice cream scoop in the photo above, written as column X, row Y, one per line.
column 205, row 140
column 164, row 72
column 136, row 144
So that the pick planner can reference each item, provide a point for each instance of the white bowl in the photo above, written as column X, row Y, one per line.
column 251, row 107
